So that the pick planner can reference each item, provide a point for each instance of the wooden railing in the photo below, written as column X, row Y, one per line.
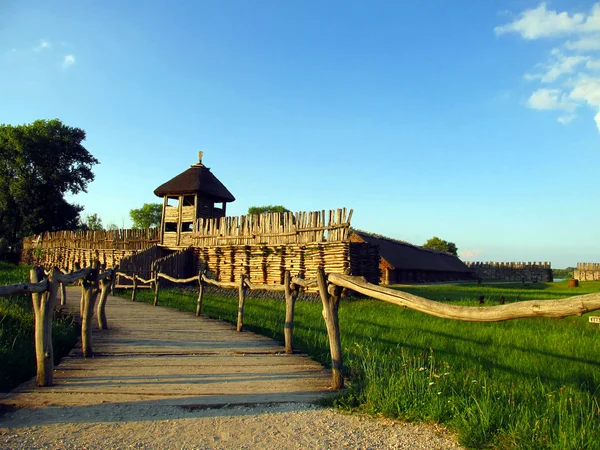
column 44, row 288
column 44, row 292
column 330, row 288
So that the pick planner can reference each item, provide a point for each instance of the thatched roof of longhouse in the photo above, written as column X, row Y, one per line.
column 404, row 256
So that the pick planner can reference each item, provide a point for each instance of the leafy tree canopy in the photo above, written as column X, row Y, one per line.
column 40, row 163
column 92, row 222
column 435, row 243
column 267, row 209
column 563, row 273
column 148, row 216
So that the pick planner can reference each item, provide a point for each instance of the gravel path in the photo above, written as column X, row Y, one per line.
column 277, row 426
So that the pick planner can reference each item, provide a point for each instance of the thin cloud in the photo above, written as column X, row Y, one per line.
column 570, row 74
column 540, row 23
column 584, row 44
column 44, row 45
column 469, row 254
column 558, row 66
column 566, row 119
column 550, row 99
column 68, row 61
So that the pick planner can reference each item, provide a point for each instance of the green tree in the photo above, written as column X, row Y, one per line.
column 267, row 209
column 563, row 273
column 435, row 243
column 148, row 216
column 92, row 222
column 40, row 163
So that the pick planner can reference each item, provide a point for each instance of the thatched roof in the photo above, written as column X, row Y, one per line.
column 197, row 179
column 404, row 256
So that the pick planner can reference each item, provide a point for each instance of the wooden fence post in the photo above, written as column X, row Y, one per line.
column 200, row 292
column 42, row 307
column 242, row 300
column 105, row 284
column 134, row 292
column 114, row 277
column 63, row 294
column 77, row 267
column 290, row 302
column 331, row 303
column 156, row 288
column 89, row 287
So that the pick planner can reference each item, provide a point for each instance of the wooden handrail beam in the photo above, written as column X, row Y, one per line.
column 265, row 287
column 24, row 288
column 74, row 276
column 221, row 284
column 574, row 306
column 178, row 280
column 303, row 282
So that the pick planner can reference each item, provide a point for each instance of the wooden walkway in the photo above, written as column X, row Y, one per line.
column 164, row 356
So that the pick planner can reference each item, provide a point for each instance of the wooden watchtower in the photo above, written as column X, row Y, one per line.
column 193, row 194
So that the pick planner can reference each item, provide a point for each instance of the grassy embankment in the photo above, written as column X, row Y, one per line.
column 529, row 383
column 17, row 351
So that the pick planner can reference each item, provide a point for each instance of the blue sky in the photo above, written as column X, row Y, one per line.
column 475, row 121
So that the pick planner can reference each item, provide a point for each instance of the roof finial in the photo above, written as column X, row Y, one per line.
column 200, row 154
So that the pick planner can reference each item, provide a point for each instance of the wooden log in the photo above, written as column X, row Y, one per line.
column 242, row 299
column 43, row 304
column 178, row 280
column 304, row 283
column 74, row 276
column 105, row 285
column 63, row 294
column 265, row 287
column 290, row 302
column 134, row 290
column 574, row 306
column 221, row 284
column 24, row 288
column 200, row 292
column 113, row 280
column 89, row 287
column 156, row 290
column 331, row 302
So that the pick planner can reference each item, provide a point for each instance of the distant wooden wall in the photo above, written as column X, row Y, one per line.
column 267, row 229
column 512, row 271
column 261, row 247
column 587, row 272
column 64, row 248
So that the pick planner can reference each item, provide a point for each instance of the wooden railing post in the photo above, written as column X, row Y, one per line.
column 156, row 287
column 290, row 302
column 77, row 267
column 200, row 292
column 114, row 278
column 242, row 299
column 89, row 287
column 42, row 307
column 330, row 296
column 105, row 285
column 63, row 294
column 134, row 291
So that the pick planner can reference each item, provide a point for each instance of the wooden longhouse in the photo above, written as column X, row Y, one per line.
column 193, row 194
column 402, row 263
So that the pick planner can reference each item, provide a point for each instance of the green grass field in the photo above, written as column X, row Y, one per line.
column 17, row 351
column 528, row 383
